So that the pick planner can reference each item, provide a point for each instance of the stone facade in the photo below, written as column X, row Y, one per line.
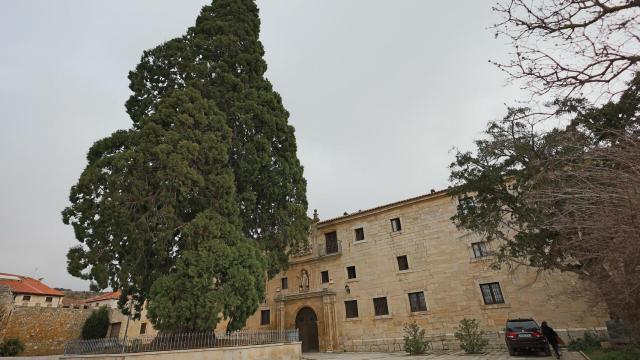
column 445, row 278
column 44, row 330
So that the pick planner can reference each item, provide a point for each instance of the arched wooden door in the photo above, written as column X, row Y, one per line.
column 307, row 325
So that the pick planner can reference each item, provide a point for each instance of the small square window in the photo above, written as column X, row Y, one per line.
column 325, row 276
column 351, row 272
column 26, row 298
column 479, row 249
column 403, row 263
column 380, row 306
column 359, row 232
column 351, row 308
column 265, row 317
column 48, row 299
column 492, row 293
column 284, row 282
column 396, row 225
column 143, row 328
column 417, row 301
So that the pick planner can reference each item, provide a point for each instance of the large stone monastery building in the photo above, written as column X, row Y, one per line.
column 366, row 274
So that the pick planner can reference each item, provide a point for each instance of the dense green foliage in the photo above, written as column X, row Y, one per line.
column 589, row 341
column 11, row 347
column 97, row 324
column 495, row 183
column 192, row 205
column 414, row 339
column 470, row 336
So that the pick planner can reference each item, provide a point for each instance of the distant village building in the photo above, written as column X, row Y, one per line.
column 31, row 292
column 120, row 324
column 366, row 274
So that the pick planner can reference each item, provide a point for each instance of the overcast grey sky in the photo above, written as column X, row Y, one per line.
column 379, row 92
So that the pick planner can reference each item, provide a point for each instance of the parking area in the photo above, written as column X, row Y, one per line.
column 451, row 356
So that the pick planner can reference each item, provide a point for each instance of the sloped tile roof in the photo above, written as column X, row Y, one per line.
column 25, row 285
column 113, row 295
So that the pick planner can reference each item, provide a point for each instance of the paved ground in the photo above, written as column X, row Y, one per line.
column 454, row 356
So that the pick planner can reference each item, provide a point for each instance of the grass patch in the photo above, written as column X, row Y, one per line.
column 624, row 354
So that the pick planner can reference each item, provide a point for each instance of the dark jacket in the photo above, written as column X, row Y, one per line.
column 550, row 334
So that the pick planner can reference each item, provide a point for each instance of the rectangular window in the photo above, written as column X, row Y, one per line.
column 48, row 299
column 417, row 301
column 285, row 283
column 466, row 204
column 396, row 225
column 331, row 242
column 26, row 298
column 491, row 293
column 359, row 234
column 351, row 272
column 115, row 330
column 325, row 276
column 351, row 308
column 143, row 328
column 380, row 306
column 265, row 317
column 479, row 249
column 403, row 263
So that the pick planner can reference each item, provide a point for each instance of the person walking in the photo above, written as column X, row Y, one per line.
column 552, row 337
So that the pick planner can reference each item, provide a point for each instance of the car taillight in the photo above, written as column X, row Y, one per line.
column 536, row 333
column 512, row 334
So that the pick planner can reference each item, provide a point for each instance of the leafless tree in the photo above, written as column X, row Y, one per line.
column 566, row 46
column 594, row 203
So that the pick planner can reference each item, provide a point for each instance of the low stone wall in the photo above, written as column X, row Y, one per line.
column 291, row 351
column 445, row 342
column 43, row 330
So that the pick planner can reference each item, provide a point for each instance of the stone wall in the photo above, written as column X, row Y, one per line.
column 442, row 266
column 256, row 352
column 43, row 330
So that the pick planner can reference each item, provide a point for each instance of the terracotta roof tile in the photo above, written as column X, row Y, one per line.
column 113, row 295
column 25, row 285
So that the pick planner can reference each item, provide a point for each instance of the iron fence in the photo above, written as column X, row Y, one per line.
column 182, row 341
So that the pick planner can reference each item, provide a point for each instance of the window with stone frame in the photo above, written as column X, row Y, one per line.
column 26, row 298
column 359, row 234
column 351, row 309
column 396, row 225
column 284, row 283
column 351, row 272
column 403, row 262
column 492, row 293
column 480, row 249
column 325, row 276
column 265, row 317
column 48, row 299
column 380, row 306
column 143, row 328
column 331, row 242
column 417, row 301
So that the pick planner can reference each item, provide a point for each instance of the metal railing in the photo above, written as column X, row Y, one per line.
column 181, row 341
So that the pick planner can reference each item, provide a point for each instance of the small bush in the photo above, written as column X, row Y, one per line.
column 11, row 347
column 414, row 339
column 97, row 324
column 589, row 341
column 470, row 336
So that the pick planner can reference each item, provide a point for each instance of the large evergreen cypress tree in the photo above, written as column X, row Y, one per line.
column 222, row 57
column 182, row 208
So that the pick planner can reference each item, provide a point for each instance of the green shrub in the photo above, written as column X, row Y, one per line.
column 97, row 324
column 625, row 354
column 470, row 336
column 11, row 347
column 414, row 339
column 589, row 341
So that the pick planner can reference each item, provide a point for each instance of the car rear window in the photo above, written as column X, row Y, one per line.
column 526, row 325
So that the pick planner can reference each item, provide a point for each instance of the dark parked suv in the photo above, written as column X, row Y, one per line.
column 525, row 334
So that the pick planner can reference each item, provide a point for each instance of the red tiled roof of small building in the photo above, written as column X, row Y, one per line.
column 112, row 295
column 25, row 285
